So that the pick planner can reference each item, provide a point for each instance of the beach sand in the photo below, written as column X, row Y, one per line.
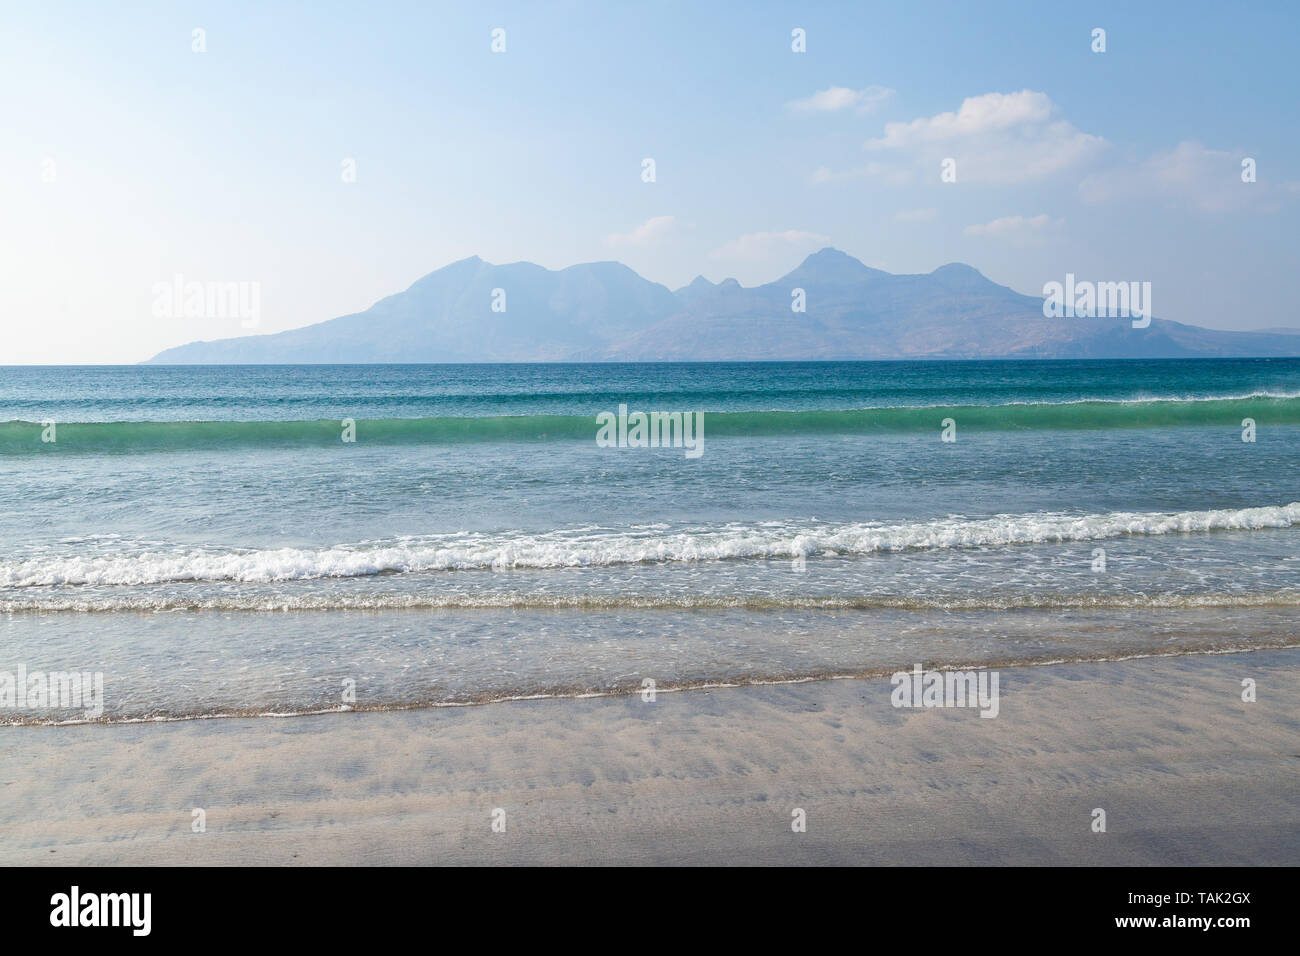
column 1186, row 771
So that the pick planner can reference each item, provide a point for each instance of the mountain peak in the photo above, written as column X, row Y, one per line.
column 459, row 271
column 959, row 277
column 830, row 265
column 955, row 269
column 699, row 287
column 829, row 254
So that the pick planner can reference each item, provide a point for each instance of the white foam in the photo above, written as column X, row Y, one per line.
column 596, row 547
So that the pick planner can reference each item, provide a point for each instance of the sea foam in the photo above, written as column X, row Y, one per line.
column 599, row 547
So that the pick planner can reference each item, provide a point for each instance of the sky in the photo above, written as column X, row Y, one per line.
column 329, row 154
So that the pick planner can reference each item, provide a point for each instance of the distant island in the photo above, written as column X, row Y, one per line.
column 474, row 311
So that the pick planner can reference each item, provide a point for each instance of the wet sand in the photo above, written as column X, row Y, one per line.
column 1186, row 771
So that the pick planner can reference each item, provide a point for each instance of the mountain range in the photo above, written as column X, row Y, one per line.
column 604, row 311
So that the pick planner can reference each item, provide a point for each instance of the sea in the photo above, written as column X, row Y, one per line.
column 277, row 540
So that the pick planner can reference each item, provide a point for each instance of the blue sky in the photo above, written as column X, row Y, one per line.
column 127, row 158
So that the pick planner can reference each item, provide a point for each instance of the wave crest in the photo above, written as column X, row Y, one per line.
column 597, row 547
column 21, row 437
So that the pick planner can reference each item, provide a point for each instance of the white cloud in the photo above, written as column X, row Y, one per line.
column 652, row 230
column 1023, row 230
column 1188, row 175
column 763, row 246
column 841, row 98
column 977, row 115
column 996, row 137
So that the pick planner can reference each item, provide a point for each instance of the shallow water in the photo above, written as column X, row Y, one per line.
column 204, row 537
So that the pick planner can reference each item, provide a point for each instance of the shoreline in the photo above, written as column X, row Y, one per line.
column 873, row 672
column 1187, row 772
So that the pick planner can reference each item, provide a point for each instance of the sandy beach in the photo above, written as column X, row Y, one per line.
column 1186, row 771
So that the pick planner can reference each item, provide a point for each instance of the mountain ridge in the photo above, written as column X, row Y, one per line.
column 472, row 310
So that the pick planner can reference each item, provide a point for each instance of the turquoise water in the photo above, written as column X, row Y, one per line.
column 206, row 538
